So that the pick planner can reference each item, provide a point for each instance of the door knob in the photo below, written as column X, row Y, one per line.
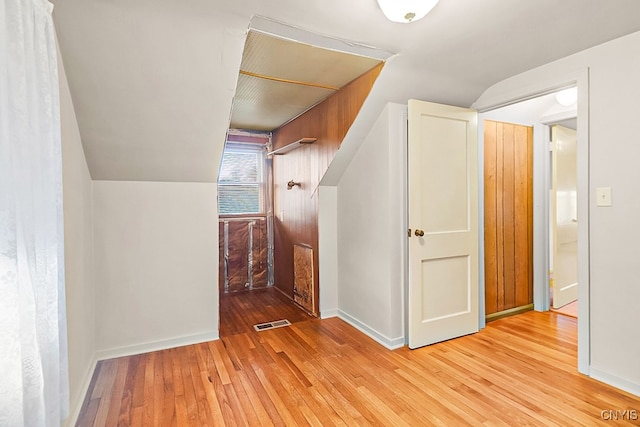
column 419, row 232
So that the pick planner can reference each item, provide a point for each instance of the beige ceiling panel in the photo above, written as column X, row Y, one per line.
column 261, row 104
column 268, row 93
column 286, row 59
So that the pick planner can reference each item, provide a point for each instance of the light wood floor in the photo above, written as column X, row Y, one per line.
column 239, row 311
column 570, row 309
column 518, row 371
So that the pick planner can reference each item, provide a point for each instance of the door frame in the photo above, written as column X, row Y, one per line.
column 540, row 253
column 541, row 140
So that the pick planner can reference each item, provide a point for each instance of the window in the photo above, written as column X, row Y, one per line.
column 241, row 179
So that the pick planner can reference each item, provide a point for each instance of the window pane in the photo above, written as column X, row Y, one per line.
column 238, row 199
column 238, row 167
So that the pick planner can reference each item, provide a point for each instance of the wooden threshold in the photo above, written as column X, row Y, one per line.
column 519, row 370
column 510, row 312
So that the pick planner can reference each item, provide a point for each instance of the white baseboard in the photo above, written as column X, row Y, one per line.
column 76, row 406
column 326, row 314
column 614, row 381
column 156, row 345
column 390, row 343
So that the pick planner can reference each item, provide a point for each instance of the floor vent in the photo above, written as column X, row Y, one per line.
column 271, row 325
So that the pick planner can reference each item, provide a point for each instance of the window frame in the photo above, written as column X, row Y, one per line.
column 246, row 147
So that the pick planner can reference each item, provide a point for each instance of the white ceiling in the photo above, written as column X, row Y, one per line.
column 153, row 80
column 543, row 108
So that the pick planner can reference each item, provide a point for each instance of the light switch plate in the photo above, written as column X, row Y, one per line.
column 603, row 196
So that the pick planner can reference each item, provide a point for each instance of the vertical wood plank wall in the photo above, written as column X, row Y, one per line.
column 508, row 216
column 329, row 122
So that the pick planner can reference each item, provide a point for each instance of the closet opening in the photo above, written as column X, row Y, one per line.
column 296, row 96
column 246, row 237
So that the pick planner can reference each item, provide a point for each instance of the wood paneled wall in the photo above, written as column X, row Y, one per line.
column 508, row 216
column 296, row 210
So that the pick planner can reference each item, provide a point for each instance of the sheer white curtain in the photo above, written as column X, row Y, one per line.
column 33, row 348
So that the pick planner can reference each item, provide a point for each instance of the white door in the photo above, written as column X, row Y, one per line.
column 443, row 221
column 564, row 216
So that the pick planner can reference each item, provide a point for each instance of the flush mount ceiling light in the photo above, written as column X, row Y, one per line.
column 567, row 97
column 406, row 11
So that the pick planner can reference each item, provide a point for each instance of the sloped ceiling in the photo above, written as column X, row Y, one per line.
column 153, row 80
column 280, row 79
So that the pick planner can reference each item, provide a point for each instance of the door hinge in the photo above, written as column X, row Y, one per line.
column 409, row 232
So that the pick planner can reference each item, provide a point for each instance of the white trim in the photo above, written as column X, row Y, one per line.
column 528, row 92
column 541, row 186
column 326, row 314
column 390, row 343
column 156, row 345
column 584, row 193
column 402, row 135
column 76, row 407
column 552, row 119
column 621, row 383
column 289, row 32
column 328, row 250
column 541, row 225
column 482, row 307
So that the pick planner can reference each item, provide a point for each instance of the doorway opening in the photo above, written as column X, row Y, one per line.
column 563, row 233
column 245, row 213
column 246, row 237
column 552, row 237
column 301, row 91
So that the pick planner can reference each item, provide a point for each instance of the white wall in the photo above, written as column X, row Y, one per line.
column 78, row 249
column 372, row 232
column 613, row 233
column 156, row 270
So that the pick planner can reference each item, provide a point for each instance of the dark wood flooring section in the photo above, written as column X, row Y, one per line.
column 519, row 370
column 239, row 311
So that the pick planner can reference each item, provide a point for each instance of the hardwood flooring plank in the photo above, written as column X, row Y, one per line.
column 199, row 375
column 126, row 407
column 147, row 417
column 103, row 390
column 169, row 398
column 221, row 369
column 277, row 399
column 158, row 389
column 269, row 406
column 261, row 415
column 212, row 401
column 118, row 395
column 88, row 412
column 189, row 388
column 137, row 388
column 385, row 414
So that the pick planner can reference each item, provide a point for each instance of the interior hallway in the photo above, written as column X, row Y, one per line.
column 519, row 370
